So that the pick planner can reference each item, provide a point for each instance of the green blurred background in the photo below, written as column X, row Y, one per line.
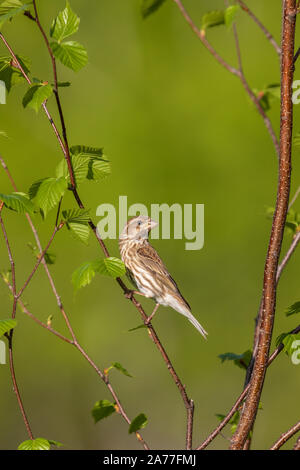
column 177, row 128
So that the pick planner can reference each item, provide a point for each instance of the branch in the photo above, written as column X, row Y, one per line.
column 74, row 340
column 261, row 26
column 237, row 72
column 240, row 399
column 188, row 403
column 269, row 290
column 286, row 436
column 42, row 255
column 9, row 335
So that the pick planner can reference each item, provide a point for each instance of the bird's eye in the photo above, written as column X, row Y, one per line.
column 139, row 223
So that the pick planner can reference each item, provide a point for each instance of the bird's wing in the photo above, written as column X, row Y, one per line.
column 151, row 261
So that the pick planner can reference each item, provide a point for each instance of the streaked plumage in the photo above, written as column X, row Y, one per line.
column 147, row 271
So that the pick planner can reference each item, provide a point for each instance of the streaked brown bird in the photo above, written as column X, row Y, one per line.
column 148, row 273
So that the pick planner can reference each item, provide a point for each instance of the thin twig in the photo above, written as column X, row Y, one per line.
column 187, row 402
column 261, row 26
column 242, row 396
column 9, row 335
column 286, row 436
column 74, row 340
column 42, row 255
column 201, row 35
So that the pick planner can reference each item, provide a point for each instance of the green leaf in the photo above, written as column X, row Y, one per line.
column 240, row 360
column 65, row 24
column 11, row 8
column 98, row 166
column 49, row 257
column 102, row 409
column 139, row 422
column 150, row 6
column 293, row 309
column 11, row 75
column 86, row 151
column 71, row 54
column 48, row 192
column 77, row 221
column 213, row 18
column 230, row 14
column 18, row 202
column 268, row 95
column 111, row 266
column 83, row 275
column 98, row 169
column 76, row 215
column 35, row 444
column 120, row 368
column 55, row 443
column 80, row 168
column 36, row 95
column 7, row 325
column 287, row 339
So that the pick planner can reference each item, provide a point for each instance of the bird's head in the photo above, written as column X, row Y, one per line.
column 138, row 228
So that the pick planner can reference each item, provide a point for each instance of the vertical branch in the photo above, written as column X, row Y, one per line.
column 269, row 286
column 9, row 335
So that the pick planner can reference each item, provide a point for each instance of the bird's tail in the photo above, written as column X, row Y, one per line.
column 192, row 319
column 196, row 324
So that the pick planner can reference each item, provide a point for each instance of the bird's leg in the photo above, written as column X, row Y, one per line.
column 152, row 314
column 130, row 293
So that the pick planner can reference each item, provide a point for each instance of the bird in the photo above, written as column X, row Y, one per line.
column 148, row 273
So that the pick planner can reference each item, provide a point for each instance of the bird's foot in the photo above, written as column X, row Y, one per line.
column 129, row 294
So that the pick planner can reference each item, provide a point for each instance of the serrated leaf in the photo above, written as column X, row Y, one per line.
column 77, row 221
column 139, row 422
column 97, row 165
column 7, row 325
column 81, row 231
column 18, row 202
column 98, row 169
column 86, row 151
column 83, row 275
column 213, row 18
column 76, row 215
column 36, row 95
column 65, row 24
column 48, row 192
column 102, row 409
column 293, row 309
column 150, row 6
column 230, row 14
column 120, row 368
column 113, row 267
column 80, row 167
column 71, row 54
column 35, row 444
column 241, row 360
column 11, row 8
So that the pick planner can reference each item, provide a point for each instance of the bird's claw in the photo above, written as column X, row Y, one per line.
column 129, row 294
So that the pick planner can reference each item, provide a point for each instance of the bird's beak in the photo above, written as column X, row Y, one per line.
column 153, row 224
column 150, row 224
